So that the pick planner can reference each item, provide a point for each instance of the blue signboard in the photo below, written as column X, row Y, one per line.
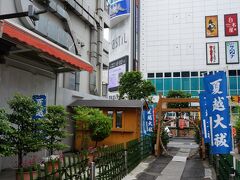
column 41, row 100
column 218, row 112
column 204, row 117
column 148, row 121
column 119, row 8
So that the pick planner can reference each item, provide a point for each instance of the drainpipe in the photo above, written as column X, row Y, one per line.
column 96, row 50
column 56, row 86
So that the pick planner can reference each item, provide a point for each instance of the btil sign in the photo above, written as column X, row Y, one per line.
column 218, row 113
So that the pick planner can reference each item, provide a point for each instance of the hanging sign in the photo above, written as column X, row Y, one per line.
column 41, row 100
column 231, row 24
column 232, row 54
column 148, row 121
column 218, row 112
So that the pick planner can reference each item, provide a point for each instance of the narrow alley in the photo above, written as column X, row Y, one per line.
column 182, row 163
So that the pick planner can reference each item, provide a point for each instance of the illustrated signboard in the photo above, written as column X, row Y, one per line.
column 116, row 69
column 211, row 26
column 119, row 8
column 231, row 24
column 232, row 53
column 212, row 52
column 215, row 86
column 41, row 100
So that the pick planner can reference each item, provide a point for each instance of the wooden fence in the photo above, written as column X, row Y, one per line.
column 111, row 163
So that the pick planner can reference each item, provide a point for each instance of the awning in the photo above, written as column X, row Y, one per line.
column 21, row 34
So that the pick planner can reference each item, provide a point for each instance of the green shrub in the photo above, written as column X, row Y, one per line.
column 97, row 123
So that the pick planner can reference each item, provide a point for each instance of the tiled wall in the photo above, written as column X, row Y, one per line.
column 173, row 34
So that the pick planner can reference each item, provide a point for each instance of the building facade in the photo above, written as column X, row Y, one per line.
column 181, row 40
column 59, row 53
column 124, row 41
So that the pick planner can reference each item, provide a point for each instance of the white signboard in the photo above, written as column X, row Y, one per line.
column 232, row 54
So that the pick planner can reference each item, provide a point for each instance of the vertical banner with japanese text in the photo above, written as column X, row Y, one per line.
column 231, row 24
column 148, row 121
column 204, row 117
column 218, row 112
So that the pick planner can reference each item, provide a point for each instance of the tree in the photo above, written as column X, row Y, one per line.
column 178, row 94
column 97, row 123
column 54, row 124
column 132, row 86
column 25, row 136
column 5, row 132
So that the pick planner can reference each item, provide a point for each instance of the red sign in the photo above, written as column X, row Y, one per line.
column 234, row 132
column 182, row 123
column 231, row 25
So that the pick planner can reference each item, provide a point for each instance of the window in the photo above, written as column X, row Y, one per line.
column 176, row 83
column 194, row 73
column 176, row 74
column 110, row 114
column 232, row 72
column 202, row 73
column 167, row 84
column 185, row 74
column 194, row 83
column 71, row 80
column 238, row 72
column 150, row 75
column 159, row 75
column 119, row 119
column 167, row 74
column 185, row 84
column 159, row 85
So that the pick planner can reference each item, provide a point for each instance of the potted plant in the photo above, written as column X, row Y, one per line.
column 54, row 131
column 25, row 135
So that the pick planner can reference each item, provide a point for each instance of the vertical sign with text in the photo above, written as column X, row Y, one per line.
column 232, row 54
column 231, row 24
column 148, row 121
column 218, row 112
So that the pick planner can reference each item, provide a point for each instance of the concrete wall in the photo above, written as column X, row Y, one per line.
column 15, row 79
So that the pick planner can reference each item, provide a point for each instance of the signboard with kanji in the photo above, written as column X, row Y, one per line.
column 215, row 86
column 212, row 52
column 231, row 24
column 41, row 100
column 232, row 53
column 148, row 121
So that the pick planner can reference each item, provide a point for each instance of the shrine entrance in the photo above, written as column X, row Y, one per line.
column 180, row 123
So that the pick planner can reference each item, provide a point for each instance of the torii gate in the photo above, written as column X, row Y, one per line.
column 160, row 110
